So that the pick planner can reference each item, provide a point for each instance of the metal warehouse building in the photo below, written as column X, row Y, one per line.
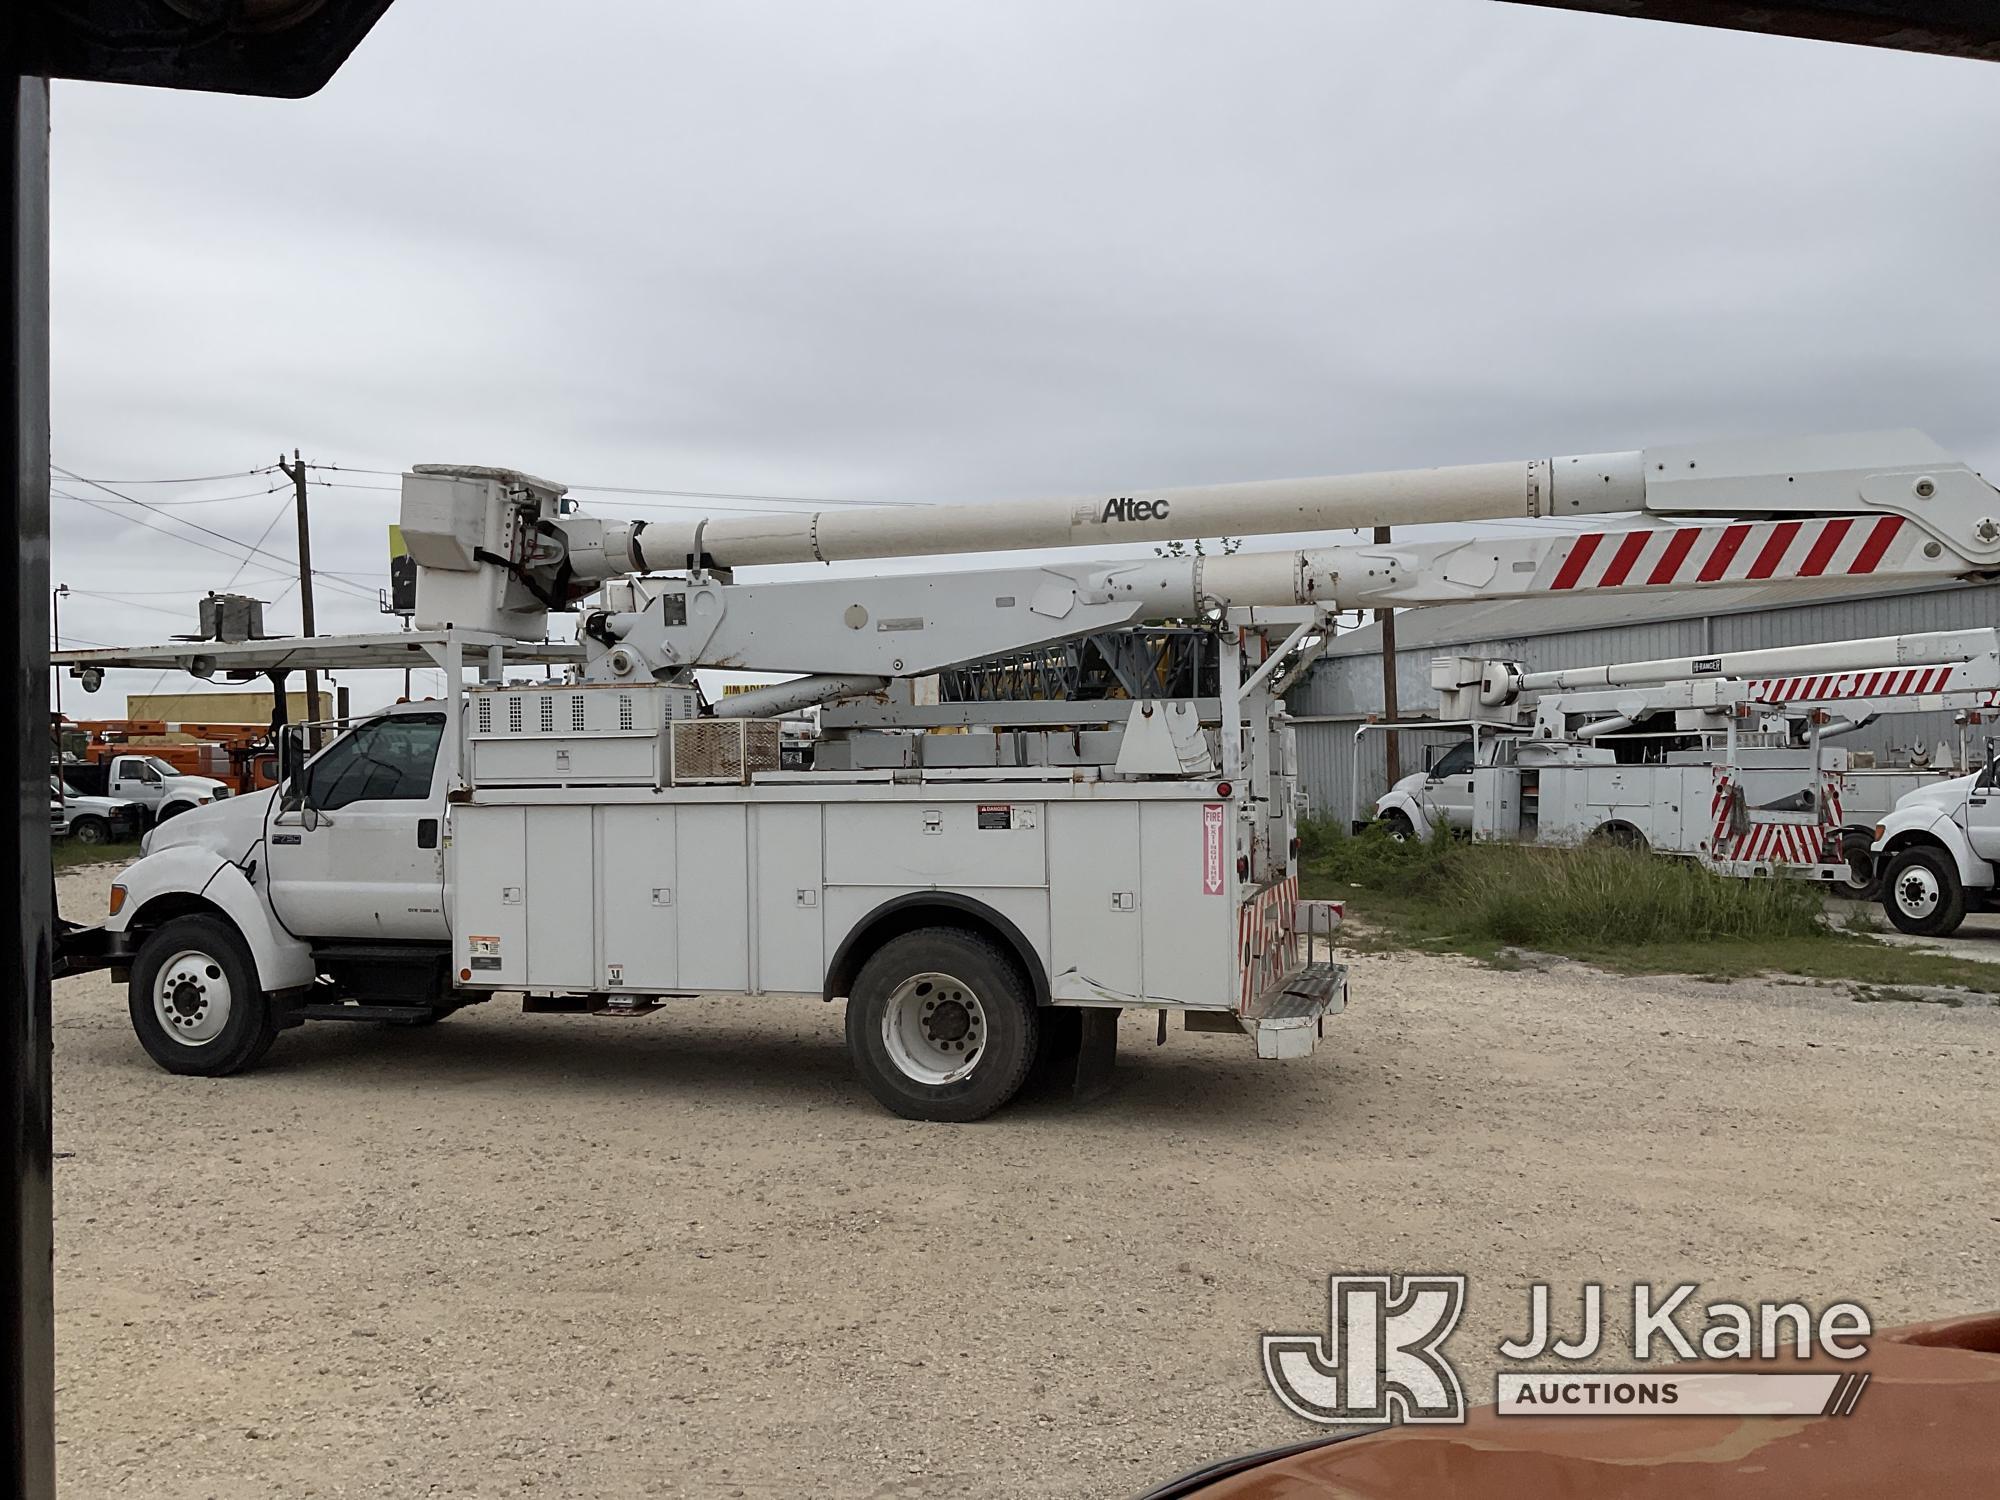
column 1344, row 689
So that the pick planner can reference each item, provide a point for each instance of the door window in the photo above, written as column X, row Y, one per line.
column 384, row 760
column 1457, row 761
column 139, row 770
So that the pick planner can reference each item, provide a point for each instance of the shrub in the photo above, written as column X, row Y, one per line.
column 1595, row 896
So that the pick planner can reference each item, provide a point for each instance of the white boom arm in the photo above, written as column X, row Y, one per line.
column 496, row 549
column 1898, row 658
column 1883, row 473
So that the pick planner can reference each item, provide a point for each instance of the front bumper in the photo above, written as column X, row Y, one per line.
column 81, row 950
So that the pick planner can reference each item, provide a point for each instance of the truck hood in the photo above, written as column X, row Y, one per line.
column 195, row 786
column 230, row 827
column 103, row 807
column 1942, row 794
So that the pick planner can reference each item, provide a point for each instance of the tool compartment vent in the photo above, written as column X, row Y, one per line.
column 711, row 752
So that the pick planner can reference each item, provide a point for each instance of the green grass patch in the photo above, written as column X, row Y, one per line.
column 70, row 853
column 1617, row 908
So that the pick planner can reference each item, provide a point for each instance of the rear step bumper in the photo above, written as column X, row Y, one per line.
column 1285, row 1021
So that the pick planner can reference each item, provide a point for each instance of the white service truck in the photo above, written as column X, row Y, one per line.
column 1938, row 852
column 979, row 899
column 1729, row 759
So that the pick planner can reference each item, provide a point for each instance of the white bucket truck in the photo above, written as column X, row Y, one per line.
column 980, row 900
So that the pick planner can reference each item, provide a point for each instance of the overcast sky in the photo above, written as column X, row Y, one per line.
column 920, row 251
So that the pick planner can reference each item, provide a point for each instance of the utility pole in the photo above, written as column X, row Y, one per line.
column 296, row 472
column 1392, row 752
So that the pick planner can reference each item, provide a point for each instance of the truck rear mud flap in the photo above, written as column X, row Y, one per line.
column 1288, row 1019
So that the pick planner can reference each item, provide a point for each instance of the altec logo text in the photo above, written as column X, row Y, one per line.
column 1125, row 508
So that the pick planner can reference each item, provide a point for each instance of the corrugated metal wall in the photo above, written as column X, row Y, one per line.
column 1342, row 691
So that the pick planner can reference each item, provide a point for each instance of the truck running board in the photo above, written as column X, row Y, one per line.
column 340, row 1010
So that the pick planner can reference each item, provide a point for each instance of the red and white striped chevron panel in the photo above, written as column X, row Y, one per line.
column 1775, row 843
column 1739, row 552
column 1267, row 940
column 1830, row 687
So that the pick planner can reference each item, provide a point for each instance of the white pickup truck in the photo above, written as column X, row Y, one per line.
column 92, row 820
column 162, row 789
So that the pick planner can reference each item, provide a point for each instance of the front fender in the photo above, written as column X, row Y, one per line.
column 1934, row 827
column 190, row 870
column 1410, row 807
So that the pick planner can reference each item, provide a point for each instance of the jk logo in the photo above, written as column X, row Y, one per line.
column 1380, row 1360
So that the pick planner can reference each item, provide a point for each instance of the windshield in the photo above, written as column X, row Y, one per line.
column 165, row 768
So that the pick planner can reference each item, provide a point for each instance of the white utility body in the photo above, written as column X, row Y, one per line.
column 984, row 899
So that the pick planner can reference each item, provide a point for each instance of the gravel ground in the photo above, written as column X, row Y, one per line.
column 687, row 1256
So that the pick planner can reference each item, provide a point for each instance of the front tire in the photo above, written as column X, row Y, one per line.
column 1401, row 829
column 194, row 999
column 942, row 1025
column 91, row 830
column 1922, row 894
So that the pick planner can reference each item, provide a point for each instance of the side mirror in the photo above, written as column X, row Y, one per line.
column 291, row 766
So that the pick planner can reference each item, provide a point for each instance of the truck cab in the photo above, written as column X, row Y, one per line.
column 1440, row 796
column 1936, row 852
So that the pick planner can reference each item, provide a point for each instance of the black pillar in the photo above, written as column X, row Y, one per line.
column 27, row 1276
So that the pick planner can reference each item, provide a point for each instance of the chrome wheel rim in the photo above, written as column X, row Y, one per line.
column 191, row 998
column 934, row 1029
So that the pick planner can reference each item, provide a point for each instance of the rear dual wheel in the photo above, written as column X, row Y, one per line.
column 942, row 1025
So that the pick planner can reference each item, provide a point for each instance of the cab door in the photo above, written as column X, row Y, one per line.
column 1981, row 813
column 132, row 780
column 1449, row 788
column 357, row 855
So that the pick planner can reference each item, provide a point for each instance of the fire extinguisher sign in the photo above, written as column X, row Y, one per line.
column 1211, row 848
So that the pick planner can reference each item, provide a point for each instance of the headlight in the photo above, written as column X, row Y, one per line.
column 221, row 792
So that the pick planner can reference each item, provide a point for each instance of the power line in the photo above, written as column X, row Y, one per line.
column 206, row 499
column 190, row 479
column 256, row 551
column 178, row 614
column 626, row 489
column 276, row 516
